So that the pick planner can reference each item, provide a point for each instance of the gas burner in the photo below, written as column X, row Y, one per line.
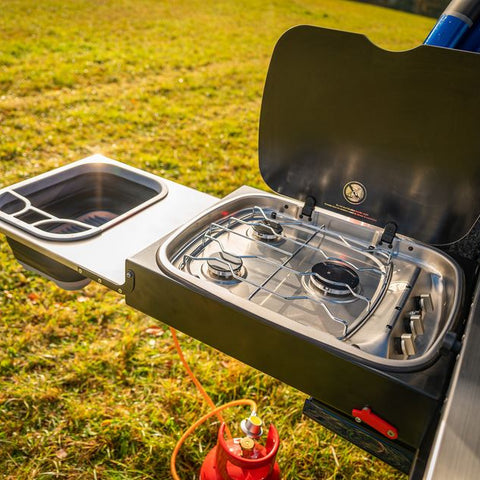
column 267, row 231
column 222, row 266
column 334, row 278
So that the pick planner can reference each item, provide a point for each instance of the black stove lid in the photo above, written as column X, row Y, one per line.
column 376, row 135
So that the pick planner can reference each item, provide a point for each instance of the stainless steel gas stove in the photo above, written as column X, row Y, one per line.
column 341, row 283
column 330, row 278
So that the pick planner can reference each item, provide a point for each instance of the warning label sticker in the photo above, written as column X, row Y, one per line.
column 351, row 211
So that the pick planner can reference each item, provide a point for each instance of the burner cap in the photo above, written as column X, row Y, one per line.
column 334, row 278
column 219, row 265
column 267, row 230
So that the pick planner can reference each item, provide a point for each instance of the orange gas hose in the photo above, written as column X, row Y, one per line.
column 194, row 378
column 215, row 410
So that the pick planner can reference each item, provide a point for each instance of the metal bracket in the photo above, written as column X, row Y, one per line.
column 128, row 286
column 389, row 233
column 129, row 281
column 308, row 207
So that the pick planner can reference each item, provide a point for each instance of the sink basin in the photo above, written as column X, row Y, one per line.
column 80, row 200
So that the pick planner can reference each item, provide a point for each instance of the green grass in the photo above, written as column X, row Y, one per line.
column 174, row 88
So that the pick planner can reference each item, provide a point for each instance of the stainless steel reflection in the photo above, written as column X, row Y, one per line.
column 276, row 281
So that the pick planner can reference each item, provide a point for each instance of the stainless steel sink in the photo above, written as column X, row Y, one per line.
column 80, row 200
column 58, row 223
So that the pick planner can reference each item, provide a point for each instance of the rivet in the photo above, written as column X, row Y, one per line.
column 120, row 290
column 80, row 270
column 99, row 280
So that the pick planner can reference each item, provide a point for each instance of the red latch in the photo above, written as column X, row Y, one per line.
column 365, row 415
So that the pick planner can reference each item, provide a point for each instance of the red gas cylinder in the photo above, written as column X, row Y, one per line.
column 242, row 459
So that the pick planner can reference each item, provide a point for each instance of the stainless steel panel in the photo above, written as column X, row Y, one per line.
column 455, row 452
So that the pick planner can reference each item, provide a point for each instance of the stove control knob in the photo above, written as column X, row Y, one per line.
column 407, row 344
column 424, row 303
column 416, row 323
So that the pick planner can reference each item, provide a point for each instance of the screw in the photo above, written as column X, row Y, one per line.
column 129, row 274
column 120, row 290
column 80, row 270
column 99, row 280
column 358, row 419
column 390, row 433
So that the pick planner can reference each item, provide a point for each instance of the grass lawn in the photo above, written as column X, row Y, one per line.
column 173, row 88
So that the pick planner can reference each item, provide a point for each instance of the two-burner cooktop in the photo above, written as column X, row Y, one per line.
column 326, row 276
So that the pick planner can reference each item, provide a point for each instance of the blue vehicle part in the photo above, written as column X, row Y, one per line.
column 471, row 42
column 455, row 22
column 447, row 32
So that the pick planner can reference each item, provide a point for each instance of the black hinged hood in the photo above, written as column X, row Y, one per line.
column 376, row 135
